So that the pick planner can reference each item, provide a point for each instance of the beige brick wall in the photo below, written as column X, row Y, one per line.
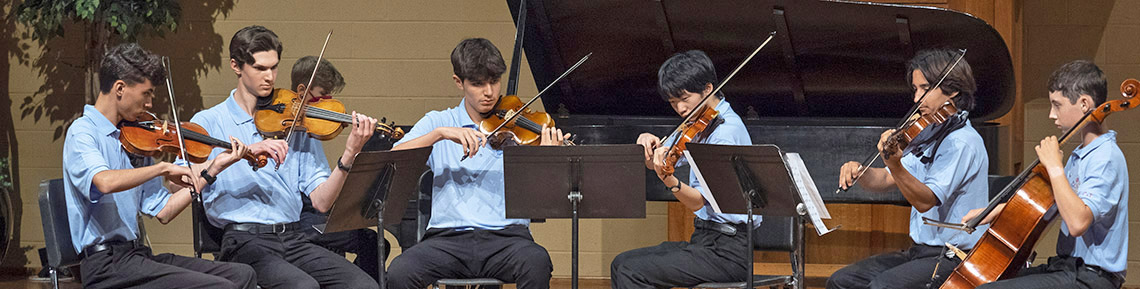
column 395, row 58
column 1059, row 31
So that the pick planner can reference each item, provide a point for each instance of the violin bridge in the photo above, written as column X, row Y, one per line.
column 164, row 127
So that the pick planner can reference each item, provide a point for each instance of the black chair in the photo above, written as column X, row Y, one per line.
column 424, row 213
column 207, row 237
column 61, row 254
column 775, row 234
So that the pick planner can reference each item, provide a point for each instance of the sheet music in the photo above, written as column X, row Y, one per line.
column 817, row 210
column 704, row 191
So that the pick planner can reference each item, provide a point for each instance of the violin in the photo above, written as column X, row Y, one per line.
column 323, row 119
column 283, row 111
column 1009, row 241
column 902, row 138
column 690, row 131
column 906, row 126
column 525, row 129
column 692, row 128
column 149, row 137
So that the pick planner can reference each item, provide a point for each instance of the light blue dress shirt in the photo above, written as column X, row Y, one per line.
column 267, row 195
column 731, row 132
column 958, row 178
column 92, row 146
column 1099, row 175
column 466, row 194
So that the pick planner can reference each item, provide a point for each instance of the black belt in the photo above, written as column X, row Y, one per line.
column 104, row 246
column 727, row 229
column 265, row 228
column 1112, row 277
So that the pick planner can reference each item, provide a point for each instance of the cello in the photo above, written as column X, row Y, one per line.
column 1008, row 243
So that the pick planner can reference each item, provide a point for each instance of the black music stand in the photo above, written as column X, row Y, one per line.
column 590, row 181
column 375, row 193
column 743, row 179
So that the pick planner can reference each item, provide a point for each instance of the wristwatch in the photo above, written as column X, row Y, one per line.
column 675, row 188
column 342, row 167
column 209, row 179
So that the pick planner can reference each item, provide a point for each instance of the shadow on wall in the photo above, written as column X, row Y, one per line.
column 195, row 49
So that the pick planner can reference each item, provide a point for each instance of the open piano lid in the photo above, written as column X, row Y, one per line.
column 829, row 58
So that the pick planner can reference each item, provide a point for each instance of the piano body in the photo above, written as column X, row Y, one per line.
column 827, row 85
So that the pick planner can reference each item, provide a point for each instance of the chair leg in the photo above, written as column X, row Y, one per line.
column 54, row 277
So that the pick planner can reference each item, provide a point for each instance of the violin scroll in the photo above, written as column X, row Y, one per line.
column 1129, row 88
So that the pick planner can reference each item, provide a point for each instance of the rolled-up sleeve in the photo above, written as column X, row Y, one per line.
column 319, row 172
column 1097, row 190
column 81, row 161
column 154, row 197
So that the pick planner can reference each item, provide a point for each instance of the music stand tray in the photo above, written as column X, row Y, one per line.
column 588, row 181
column 376, row 192
column 750, row 179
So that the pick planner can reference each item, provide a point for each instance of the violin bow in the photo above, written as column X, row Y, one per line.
column 177, row 124
column 718, row 87
column 300, row 108
column 512, row 117
column 913, row 109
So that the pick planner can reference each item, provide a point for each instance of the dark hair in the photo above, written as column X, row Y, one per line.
column 130, row 63
column 253, row 39
column 687, row 71
column 932, row 62
column 327, row 76
column 1079, row 77
column 477, row 59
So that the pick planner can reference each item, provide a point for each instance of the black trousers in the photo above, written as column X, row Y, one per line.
column 709, row 256
column 906, row 269
column 510, row 255
column 1059, row 272
column 126, row 266
column 289, row 260
column 361, row 242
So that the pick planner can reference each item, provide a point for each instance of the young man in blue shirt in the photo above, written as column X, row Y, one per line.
column 106, row 188
column 718, row 249
column 469, row 235
column 260, row 209
column 1091, row 191
column 942, row 179
column 361, row 242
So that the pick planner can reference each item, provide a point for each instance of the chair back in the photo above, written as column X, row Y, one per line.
column 57, row 230
column 207, row 237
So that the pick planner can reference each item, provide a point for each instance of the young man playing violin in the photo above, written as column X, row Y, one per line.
column 106, row 188
column 942, row 179
column 718, row 249
column 1091, row 191
column 469, row 235
column 361, row 242
column 260, row 209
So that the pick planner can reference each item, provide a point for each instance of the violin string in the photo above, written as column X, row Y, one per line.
column 337, row 117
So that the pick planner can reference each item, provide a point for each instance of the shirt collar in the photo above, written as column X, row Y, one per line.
column 102, row 124
column 722, row 106
column 459, row 113
column 1083, row 151
column 237, row 114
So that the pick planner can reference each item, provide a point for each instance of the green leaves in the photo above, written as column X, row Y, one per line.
column 128, row 19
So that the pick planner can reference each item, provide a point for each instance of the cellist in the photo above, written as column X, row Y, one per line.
column 1090, row 190
column 106, row 188
column 943, row 179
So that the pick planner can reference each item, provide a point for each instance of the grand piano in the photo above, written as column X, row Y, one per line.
column 829, row 83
